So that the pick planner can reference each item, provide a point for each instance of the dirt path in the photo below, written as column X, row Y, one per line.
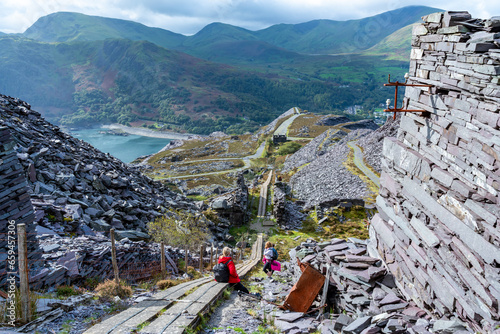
column 359, row 162
column 246, row 160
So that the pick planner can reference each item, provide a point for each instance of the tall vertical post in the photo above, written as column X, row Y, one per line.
column 22, row 248
column 162, row 252
column 113, row 256
column 211, row 255
column 202, row 251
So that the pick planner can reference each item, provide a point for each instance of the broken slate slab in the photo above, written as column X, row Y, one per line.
column 358, row 325
column 290, row 316
column 390, row 298
column 448, row 326
column 342, row 321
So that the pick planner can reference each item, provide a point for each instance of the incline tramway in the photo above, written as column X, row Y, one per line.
column 176, row 308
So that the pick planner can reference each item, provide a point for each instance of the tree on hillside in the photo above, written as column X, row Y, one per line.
column 180, row 229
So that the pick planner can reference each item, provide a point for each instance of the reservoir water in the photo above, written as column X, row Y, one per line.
column 125, row 148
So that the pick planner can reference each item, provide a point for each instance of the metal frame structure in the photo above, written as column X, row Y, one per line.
column 403, row 84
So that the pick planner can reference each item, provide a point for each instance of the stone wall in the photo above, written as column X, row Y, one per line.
column 15, row 203
column 437, row 226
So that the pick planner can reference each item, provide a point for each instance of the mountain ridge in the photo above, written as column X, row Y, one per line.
column 321, row 36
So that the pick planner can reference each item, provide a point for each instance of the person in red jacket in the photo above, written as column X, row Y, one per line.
column 234, row 279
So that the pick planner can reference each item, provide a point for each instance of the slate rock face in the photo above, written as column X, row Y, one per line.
column 437, row 226
column 231, row 207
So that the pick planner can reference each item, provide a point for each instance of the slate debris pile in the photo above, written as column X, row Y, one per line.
column 437, row 227
column 71, row 179
column 90, row 257
column 60, row 185
column 326, row 178
column 363, row 294
column 316, row 148
column 372, row 143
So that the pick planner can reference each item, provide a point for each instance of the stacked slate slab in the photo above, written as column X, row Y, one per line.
column 361, row 292
column 15, row 205
column 439, row 206
column 72, row 260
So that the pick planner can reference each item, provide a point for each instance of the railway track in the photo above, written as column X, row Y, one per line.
column 176, row 308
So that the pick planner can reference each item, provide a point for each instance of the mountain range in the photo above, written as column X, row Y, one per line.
column 82, row 70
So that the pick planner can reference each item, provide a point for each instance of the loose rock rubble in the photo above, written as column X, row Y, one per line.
column 75, row 189
column 362, row 295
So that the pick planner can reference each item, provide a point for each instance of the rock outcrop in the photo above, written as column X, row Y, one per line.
column 437, row 227
column 232, row 207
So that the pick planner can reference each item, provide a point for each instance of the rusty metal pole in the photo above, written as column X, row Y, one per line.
column 162, row 252
column 22, row 248
column 113, row 256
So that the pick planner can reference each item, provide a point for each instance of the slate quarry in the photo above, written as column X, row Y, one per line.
column 59, row 185
column 439, row 205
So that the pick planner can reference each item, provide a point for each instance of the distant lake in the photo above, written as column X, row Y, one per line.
column 125, row 148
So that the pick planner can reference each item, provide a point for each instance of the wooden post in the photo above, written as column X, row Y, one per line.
column 216, row 255
column 22, row 248
column 202, row 251
column 113, row 256
column 211, row 256
column 162, row 252
column 186, row 260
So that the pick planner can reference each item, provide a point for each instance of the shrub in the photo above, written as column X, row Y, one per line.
column 288, row 148
column 64, row 291
column 91, row 283
column 108, row 289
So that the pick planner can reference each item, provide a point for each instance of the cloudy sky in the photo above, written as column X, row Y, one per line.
column 189, row 16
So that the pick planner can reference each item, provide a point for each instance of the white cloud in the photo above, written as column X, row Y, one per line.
column 189, row 16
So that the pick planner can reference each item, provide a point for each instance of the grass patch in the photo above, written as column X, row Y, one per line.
column 372, row 187
column 197, row 197
column 5, row 312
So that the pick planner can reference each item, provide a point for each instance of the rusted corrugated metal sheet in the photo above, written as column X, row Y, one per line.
column 305, row 290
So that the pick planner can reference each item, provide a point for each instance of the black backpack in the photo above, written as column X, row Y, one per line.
column 221, row 272
column 275, row 254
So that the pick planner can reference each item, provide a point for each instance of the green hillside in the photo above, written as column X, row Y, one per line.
column 67, row 27
column 82, row 70
column 396, row 46
column 140, row 83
